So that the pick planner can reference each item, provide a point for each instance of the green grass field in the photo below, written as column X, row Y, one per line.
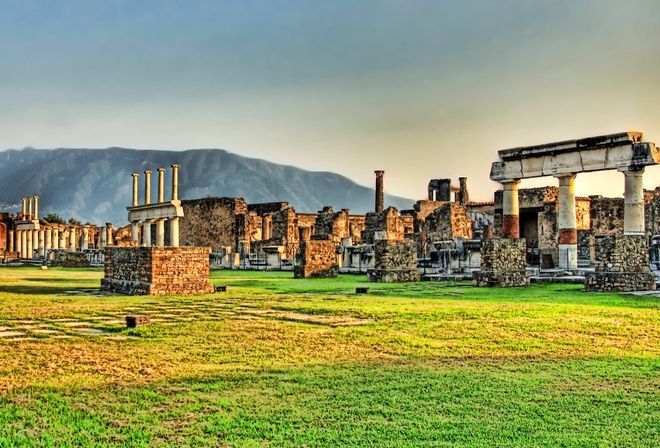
column 282, row 362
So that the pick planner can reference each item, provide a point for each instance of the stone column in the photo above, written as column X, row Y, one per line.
column 18, row 243
column 111, row 242
column 161, row 184
column 104, row 237
column 379, row 191
column 63, row 239
column 72, row 239
column 147, row 187
column 11, row 241
column 463, row 197
column 85, row 238
column 146, row 233
column 633, row 211
column 56, row 238
column 36, row 207
column 30, row 216
column 174, row 232
column 135, row 189
column 49, row 239
column 510, row 210
column 42, row 243
column 24, row 208
column 568, row 250
column 175, row 184
column 135, row 234
column 30, row 243
column 24, row 251
column 160, row 232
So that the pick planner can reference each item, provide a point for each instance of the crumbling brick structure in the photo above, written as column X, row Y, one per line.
column 502, row 263
column 318, row 258
column 389, row 221
column 395, row 262
column 447, row 222
column 622, row 264
column 157, row 270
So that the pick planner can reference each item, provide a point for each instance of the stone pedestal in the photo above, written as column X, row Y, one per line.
column 621, row 265
column 502, row 263
column 318, row 259
column 157, row 270
column 394, row 262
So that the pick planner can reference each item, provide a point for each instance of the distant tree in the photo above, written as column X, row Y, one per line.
column 74, row 222
column 53, row 218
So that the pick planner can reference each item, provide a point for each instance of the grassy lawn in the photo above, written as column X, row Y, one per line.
column 282, row 362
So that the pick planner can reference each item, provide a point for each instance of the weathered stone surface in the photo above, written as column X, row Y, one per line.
column 138, row 320
column 447, row 222
column 157, row 270
column 502, row 263
column 71, row 259
column 619, row 281
column 395, row 262
column 388, row 221
column 318, row 259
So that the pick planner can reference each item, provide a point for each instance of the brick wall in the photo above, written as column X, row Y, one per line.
column 502, row 263
column 318, row 259
column 157, row 270
column 447, row 222
column 395, row 262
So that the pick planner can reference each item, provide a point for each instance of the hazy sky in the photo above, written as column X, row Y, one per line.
column 419, row 88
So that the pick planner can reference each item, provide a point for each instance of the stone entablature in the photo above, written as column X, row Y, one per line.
column 157, row 270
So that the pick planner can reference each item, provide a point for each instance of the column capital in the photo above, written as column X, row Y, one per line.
column 135, row 175
column 633, row 169
column 565, row 176
column 174, row 165
column 161, row 170
column 510, row 184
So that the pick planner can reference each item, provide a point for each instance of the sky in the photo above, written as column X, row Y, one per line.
column 422, row 89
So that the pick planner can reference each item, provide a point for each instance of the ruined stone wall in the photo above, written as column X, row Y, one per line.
column 606, row 216
column 4, row 238
column 582, row 213
column 652, row 212
column 307, row 220
column 334, row 224
column 388, row 221
column 356, row 224
column 267, row 207
column 67, row 259
column 211, row 222
column 318, row 259
column 503, row 263
column 622, row 264
column 395, row 262
column 447, row 222
column 157, row 270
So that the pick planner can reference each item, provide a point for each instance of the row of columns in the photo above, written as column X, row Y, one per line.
column 31, row 207
column 633, row 218
column 27, row 242
column 161, row 185
column 147, row 239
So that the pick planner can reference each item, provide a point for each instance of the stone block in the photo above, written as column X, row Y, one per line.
column 138, row 320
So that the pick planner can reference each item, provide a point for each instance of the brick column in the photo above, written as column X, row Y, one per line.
column 379, row 191
column 510, row 210
column 633, row 212
column 568, row 251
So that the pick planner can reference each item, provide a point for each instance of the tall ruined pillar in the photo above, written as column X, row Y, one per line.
column 85, row 238
column 56, row 238
column 633, row 211
column 104, row 237
column 30, row 202
column 30, row 243
column 36, row 208
column 64, row 237
column 11, row 241
column 161, row 184
column 72, row 239
column 175, row 183
column 42, row 243
column 174, row 232
column 147, row 187
column 510, row 210
column 135, row 189
column 568, row 250
column 24, row 208
column 49, row 239
column 135, row 234
column 160, row 232
column 463, row 197
column 146, row 233
column 379, row 190
column 110, row 241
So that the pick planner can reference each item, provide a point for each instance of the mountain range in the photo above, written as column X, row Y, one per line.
column 95, row 185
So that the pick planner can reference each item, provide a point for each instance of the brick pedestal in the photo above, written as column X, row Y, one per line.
column 502, row 263
column 157, row 270
column 622, row 264
column 318, row 259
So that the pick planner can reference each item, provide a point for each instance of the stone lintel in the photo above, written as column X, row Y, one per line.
column 579, row 160
column 164, row 210
column 28, row 225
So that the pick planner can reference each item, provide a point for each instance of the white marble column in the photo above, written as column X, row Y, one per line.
column 160, row 232
column 72, row 239
column 42, row 243
column 135, row 234
column 146, row 233
column 633, row 211
column 567, row 239
column 174, row 232
column 510, row 210
column 147, row 187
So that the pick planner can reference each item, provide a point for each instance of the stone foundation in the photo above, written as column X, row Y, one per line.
column 157, row 270
column 395, row 262
column 621, row 265
column 503, row 263
column 318, row 259
column 71, row 259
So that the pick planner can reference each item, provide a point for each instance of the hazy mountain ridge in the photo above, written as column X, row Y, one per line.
column 95, row 185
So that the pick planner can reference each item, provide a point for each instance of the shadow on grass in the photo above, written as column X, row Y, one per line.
column 37, row 290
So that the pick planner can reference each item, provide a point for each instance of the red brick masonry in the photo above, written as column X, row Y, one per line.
column 157, row 270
